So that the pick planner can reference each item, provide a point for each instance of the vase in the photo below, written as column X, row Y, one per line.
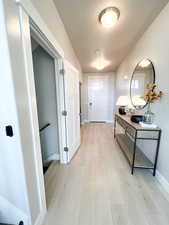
column 149, row 115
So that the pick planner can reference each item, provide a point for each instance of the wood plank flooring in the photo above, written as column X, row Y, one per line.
column 96, row 188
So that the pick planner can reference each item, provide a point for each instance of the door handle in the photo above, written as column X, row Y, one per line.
column 90, row 103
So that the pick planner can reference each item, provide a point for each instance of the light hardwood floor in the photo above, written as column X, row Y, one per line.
column 96, row 188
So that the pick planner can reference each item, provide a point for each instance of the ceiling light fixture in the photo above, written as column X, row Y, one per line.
column 109, row 16
column 144, row 63
column 100, row 63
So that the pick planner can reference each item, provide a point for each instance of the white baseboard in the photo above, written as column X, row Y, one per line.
column 85, row 121
column 10, row 214
column 109, row 121
column 161, row 179
column 52, row 158
column 40, row 218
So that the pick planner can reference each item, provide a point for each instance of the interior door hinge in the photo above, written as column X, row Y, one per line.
column 64, row 113
column 66, row 149
column 62, row 72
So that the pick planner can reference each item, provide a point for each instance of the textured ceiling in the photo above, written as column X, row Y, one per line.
column 80, row 18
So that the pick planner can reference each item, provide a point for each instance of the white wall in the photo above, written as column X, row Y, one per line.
column 111, row 88
column 18, row 165
column 26, row 190
column 12, row 182
column 153, row 45
column 50, row 15
column 44, row 72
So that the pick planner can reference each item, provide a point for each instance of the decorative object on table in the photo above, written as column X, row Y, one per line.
column 150, row 97
column 149, row 126
column 130, row 110
column 137, row 118
column 143, row 74
column 122, row 102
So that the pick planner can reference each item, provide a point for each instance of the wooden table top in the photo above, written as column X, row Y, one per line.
column 136, row 126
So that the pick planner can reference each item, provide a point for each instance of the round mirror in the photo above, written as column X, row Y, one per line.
column 143, row 75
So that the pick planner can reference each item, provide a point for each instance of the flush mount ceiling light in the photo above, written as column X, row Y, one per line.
column 100, row 62
column 109, row 16
column 144, row 63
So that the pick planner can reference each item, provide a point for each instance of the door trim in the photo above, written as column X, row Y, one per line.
column 26, row 27
column 30, row 10
column 59, row 83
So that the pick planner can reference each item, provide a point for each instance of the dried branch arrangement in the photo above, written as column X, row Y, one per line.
column 151, row 94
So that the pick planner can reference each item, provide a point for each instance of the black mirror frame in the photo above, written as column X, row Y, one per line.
column 154, row 80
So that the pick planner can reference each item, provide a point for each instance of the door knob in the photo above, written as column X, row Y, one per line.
column 90, row 103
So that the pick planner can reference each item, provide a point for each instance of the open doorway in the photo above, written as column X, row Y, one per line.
column 45, row 86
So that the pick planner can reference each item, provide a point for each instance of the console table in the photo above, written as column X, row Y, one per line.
column 127, row 139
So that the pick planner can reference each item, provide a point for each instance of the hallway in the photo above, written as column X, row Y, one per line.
column 96, row 188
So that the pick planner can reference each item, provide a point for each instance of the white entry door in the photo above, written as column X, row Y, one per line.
column 98, row 98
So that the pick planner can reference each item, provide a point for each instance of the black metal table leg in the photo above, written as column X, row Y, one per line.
column 134, row 153
column 115, row 127
column 157, row 151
